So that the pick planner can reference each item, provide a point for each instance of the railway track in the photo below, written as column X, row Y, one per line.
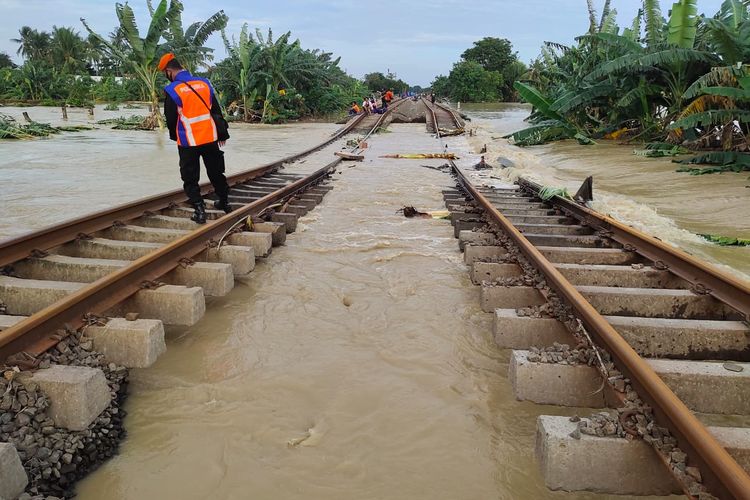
column 442, row 120
column 54, row 281
column 671, row 337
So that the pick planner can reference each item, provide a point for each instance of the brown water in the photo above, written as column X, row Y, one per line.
column 354, row 363
column 644, row 192
column 71, row 174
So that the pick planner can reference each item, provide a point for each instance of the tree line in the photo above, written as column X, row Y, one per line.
column 679, row 83
column 264, row 77
column 485, row 73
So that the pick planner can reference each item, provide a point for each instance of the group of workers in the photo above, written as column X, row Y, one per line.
column 370, row 105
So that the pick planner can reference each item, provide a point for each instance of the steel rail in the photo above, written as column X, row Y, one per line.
column 108, row 291
column 434, row 116
column 20, row 247
column 453, row 114
column 722, row 475
column 37, row 333
column 704, row 277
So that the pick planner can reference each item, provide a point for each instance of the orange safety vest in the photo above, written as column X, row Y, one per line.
column 195, row 126
column 389, row 96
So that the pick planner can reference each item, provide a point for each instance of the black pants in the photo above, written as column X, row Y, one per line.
column 190, row 170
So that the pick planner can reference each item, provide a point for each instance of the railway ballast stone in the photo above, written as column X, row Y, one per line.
column 77, row 394
column 55, row 458
column 13, row 478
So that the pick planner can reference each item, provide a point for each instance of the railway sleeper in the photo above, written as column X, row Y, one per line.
column 515, row 297
column 133, row 344
column 466, row 238
column 614, row 465
column 468, row 225
column 474, row 253
column 492, row 271
column 277, row 230
column 503, row 204
column 131, row 232
column 589, row 256
column 187, row 212
column 173, row 304
column 288, row 219
column 650, row 337
column 554, row 229
column 638, row 276
column 241, row 258
column 656, row 303
column 562, row 240
column 704, row 386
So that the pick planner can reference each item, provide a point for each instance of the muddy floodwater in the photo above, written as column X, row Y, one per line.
column 644, row 192
column 353, row 363
column 67, row 175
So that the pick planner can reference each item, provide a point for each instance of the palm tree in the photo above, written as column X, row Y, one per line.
column 34, row 45
column 140, row 56
column 67, row 50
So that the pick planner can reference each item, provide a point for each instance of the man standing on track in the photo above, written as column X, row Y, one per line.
column 191, row 124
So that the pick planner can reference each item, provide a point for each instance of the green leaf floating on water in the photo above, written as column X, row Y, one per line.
column 549, row 192
column 726, row 241
column 725, row 161
column 660, row 150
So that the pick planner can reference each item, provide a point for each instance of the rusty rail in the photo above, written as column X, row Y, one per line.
column 722, row 475
column 20, row 247
column 454, row 115
column 37, row 331
column 704, row 277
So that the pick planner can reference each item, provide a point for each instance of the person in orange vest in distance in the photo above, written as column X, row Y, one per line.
column 389, row 96
column 354, row 110
column 189, row 103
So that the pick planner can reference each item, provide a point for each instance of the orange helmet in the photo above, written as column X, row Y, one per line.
column 165, row 60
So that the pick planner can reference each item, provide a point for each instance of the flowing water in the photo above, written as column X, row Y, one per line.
column 67, row 175
column 646, row 193
column 353, row 363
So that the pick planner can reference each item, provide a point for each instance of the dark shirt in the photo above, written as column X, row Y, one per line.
column 170, row 111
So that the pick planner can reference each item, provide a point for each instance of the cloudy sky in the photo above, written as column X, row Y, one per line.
column 416, row 39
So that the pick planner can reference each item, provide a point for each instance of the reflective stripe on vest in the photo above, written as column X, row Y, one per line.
column 195, row 125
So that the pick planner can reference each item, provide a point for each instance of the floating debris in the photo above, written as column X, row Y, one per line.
column 411, row 212
column 726, row 241
column 424, row 156
column 130, row 123
column 10, row 129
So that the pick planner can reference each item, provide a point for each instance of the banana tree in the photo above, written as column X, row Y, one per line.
column 139, row 56
column 189, row 45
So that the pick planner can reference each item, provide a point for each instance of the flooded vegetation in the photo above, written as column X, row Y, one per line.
column 644, row 192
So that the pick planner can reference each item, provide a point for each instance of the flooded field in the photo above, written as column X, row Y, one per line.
column 74, row 173
column 644, row 192
column 355, row 362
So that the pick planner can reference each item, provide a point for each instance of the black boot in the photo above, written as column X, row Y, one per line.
column 223, row 204
column 199, row 216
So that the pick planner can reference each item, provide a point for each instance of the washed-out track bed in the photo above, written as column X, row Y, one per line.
column 441, row 120
column 84, row 300
column 650, row 343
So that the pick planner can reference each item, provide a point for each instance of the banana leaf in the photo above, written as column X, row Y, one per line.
column 726, row 241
